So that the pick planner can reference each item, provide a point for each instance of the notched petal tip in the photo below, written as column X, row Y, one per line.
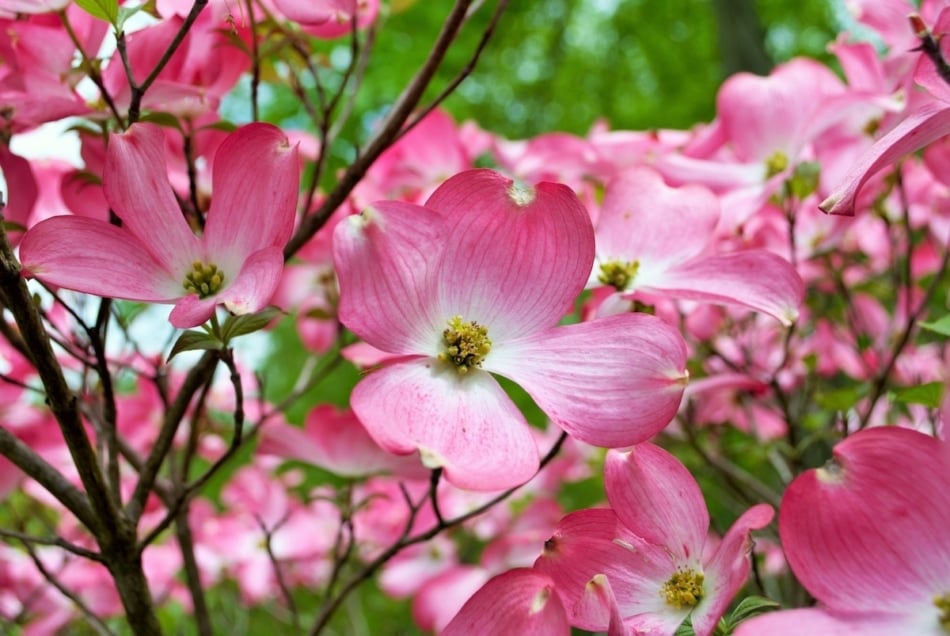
column 521, row 193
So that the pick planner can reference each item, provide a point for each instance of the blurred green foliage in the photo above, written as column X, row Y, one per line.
column 563, row 64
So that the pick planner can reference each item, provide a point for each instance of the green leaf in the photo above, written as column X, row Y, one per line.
column 107, row 10
column 685, row 628
column 752, row 606
column 194, row 341
column 11, row 226
column 941, row 326
column 928, row 394
column 162, row 119
column 248, row 323
column 841, row 399
column 125, row 13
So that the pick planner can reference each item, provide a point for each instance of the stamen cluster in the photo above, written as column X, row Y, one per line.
column 466, row 344
column 204, row 279
column 618, row 274
column 684, row 589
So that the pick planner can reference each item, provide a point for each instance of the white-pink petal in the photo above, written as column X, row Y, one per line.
column 466, row 425
column 612, row 382
column 659, row 500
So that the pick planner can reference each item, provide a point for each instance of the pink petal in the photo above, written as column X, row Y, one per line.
column 465, row 424
column 658, row 500
column 255, row 283
column 826, row 623
column 192, row 311
column 520, row 601
column 515, row 257
column 96, row 258
column 136, row 186
column 599, row 595
column 22, row 190
column 729, row 568
column 869, row 532
column 642, row 219
column 386, row 261
column 255, row 181
column 757, row 279
column 612, row 382
column 591, row 542
column 928, row 124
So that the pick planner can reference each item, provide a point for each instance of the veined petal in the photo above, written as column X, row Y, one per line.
column 386, row 260
column 658, row 500
column 591, row 542
column 135, row 183
column 869, row 531
column 520, row 601
column 255, row 283
column 757, row 279
column 515, row 256
column 599, row 595
column 642, row 219
column 729, row 568
column 465, row 424
column 828, row 623
column 255, row 178
column 96, row 258
column 926, row 125
column 612, row 382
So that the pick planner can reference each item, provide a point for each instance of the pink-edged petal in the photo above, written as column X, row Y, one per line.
column 729, row 568
column 255, row 283
column 642, row 219
column 757, row 279
column 22, row 190
column 255, row 180
column 612, row 382
column 466, row 425
column 387, row 259
column 520, row 601
column 334, row 440
column 869, row 531
column 822, row 622
column 658, row 500
column 599, row 595
column 192, row 311
column 591, row 542
column 136, row 186
column 96, row 258
column 928, row 124
column 515, row 256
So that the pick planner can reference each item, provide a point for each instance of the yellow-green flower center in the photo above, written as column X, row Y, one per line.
column 466, row 344
column 204, row 279
column 618, row 274
column 683, row 590
column 776, row 163
column 943, row 604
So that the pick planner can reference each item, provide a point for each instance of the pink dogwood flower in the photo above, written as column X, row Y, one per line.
column 867, row 535
column 658, row 239
column 474, row 284
column 650, row 546
column 154, row 256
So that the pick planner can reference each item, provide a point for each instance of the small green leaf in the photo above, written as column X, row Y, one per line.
column 685, row 628
column 162, row 119
column 928, row 394
column 107, row 10
column 125, row 13
column 752, row 606
column 194, row 341
column 248, row 323
column 841, row 399
column 11, row 226
column 941, row 326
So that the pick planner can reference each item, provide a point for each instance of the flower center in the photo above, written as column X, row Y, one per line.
column 466, row 344
column 204, row 279
column 943, row 604
column 776, row 163
column 684, row 589
column 618, row 274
